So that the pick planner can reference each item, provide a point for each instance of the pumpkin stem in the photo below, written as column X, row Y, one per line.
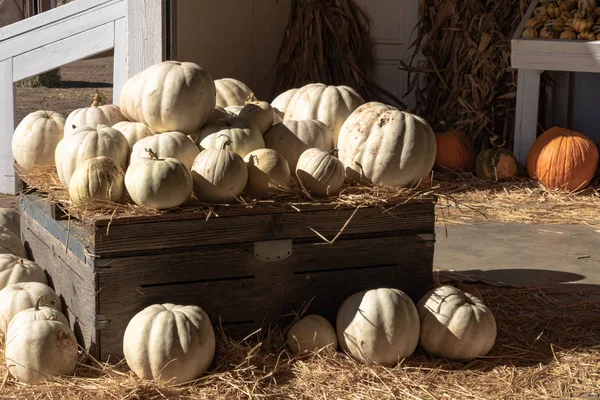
column 37, row 303
column 254, row 159
column 494, row 141
column 334, row 152
column 226, row 143
column 153, row 155
column 251, row 98
column 97, row 99
column 20, row 261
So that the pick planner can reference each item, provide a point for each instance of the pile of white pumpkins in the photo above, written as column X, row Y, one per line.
column 178, row 131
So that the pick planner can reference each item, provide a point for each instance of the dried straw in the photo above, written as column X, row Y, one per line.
column 547, row 348
column 462, row 58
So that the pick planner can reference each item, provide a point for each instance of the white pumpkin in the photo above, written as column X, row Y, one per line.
column 21, row 296
column 11, row 220
column 159, row 183
column 14, row 269
column 167, row 145
column 378, row 326
column 328, row 104
column 311, row 333
column 268, row 171
column 170, row 96
column 86, row 143
column 36, row 137
column 320, row 172
column 386, row 146
column 243, row 135
column 169, row 342
column 260, row 113
column 280, row 103
column 220, row 175
column 234, row 110
column 96, row 114
column 38, row 312
column 232, row 92
column 96, row 182
column 455, row 325
column 40, row 349
column 219, row 113
column 11, row 243
column 133, row 131
column 292, row 138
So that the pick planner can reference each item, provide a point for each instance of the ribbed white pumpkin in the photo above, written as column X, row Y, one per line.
column 260, row 113
column 292, row 138
column 133, row 131
column 86, row 143
column 267, row 172
column 280, row 103
column 232, row 92
column 234, row 110
column 311, row 333
column 159, row 183
column 96, row 182
column 320, row 172
column 10, row 243
column 219, row 113
column 167, row 145
column 328, row 104
column 38, row 312
column 21, row 296
column 14, row 269
column 220, row 175
column 455, row 325
column 169, row 342
column 40, row 345
column 11, row 220
column 36, row 137
column 379, row 325
column 170, row 96
column 386, row 146
column 243, row 134
column 96, row 114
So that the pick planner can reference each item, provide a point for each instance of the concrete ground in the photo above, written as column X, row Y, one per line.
column 563, row 257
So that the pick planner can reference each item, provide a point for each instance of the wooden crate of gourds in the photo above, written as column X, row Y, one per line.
column 564, row 20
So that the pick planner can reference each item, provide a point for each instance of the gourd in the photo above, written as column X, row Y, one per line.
column 220, row 175
column 97, row 182
column 529, row 33
column 36, row 137
column 243, row 135
column 14, row 269
column 563, row 159
column 11, row 244
column 311, row 333
column 260, row 113
column 268, row 172
column 96, row 114
column 455, row 325
column 167, row 145
column 170, row 96
column 159, row 183
column 133, row 131
column 169, row 342
column 40, row 345
column 454, row 151
column 582, row 24
column 21, row 296
column 498, row 164
column 86, row 143
column 586, row 35
column 378, row 326
column 320, row 172
column 548, row 33
column 232, row 92
column 281, row 102
column 292, row 138
column 331, row 105
column 568, row 34
column 385, row 146
column 11, row 220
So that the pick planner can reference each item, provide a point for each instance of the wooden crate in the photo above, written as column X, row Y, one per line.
column 246, row 269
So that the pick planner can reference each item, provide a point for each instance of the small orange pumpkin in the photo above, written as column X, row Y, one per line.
column 563, row 159
column 454, row 151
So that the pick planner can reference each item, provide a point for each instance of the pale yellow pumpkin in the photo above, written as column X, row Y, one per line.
column 21, row 296
column 15, row 269
column 38, row 312
column 36, row 137
column 312, row 333
column 219, row 113
column 232, row 92
column 243, row 135
column 320, row 172
column 96, row 114
column 133, row 131
column 97, row 182
column 167, row 145
column 268, row 172
column 280, row 103
column 260, row 113
column 234, row 110
column 10, row 243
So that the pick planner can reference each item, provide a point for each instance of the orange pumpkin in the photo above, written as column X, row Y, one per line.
column 563, row 159
column 454, row 151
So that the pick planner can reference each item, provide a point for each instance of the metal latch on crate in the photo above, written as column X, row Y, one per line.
column 273, row 250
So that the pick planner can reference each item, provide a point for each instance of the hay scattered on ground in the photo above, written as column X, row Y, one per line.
column 548, row 347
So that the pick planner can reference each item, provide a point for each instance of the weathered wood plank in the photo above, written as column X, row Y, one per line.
column 7, row 127
column 119, row 59
column 526, row 120
column 71, row 279
column 145, row 34
column 410, row 218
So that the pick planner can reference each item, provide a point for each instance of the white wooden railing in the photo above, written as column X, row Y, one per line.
column 80, row 29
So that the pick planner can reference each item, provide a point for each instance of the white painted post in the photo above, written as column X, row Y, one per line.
column 8, row 183
column 526, row 119
column 145, row 34
column 119, row 59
